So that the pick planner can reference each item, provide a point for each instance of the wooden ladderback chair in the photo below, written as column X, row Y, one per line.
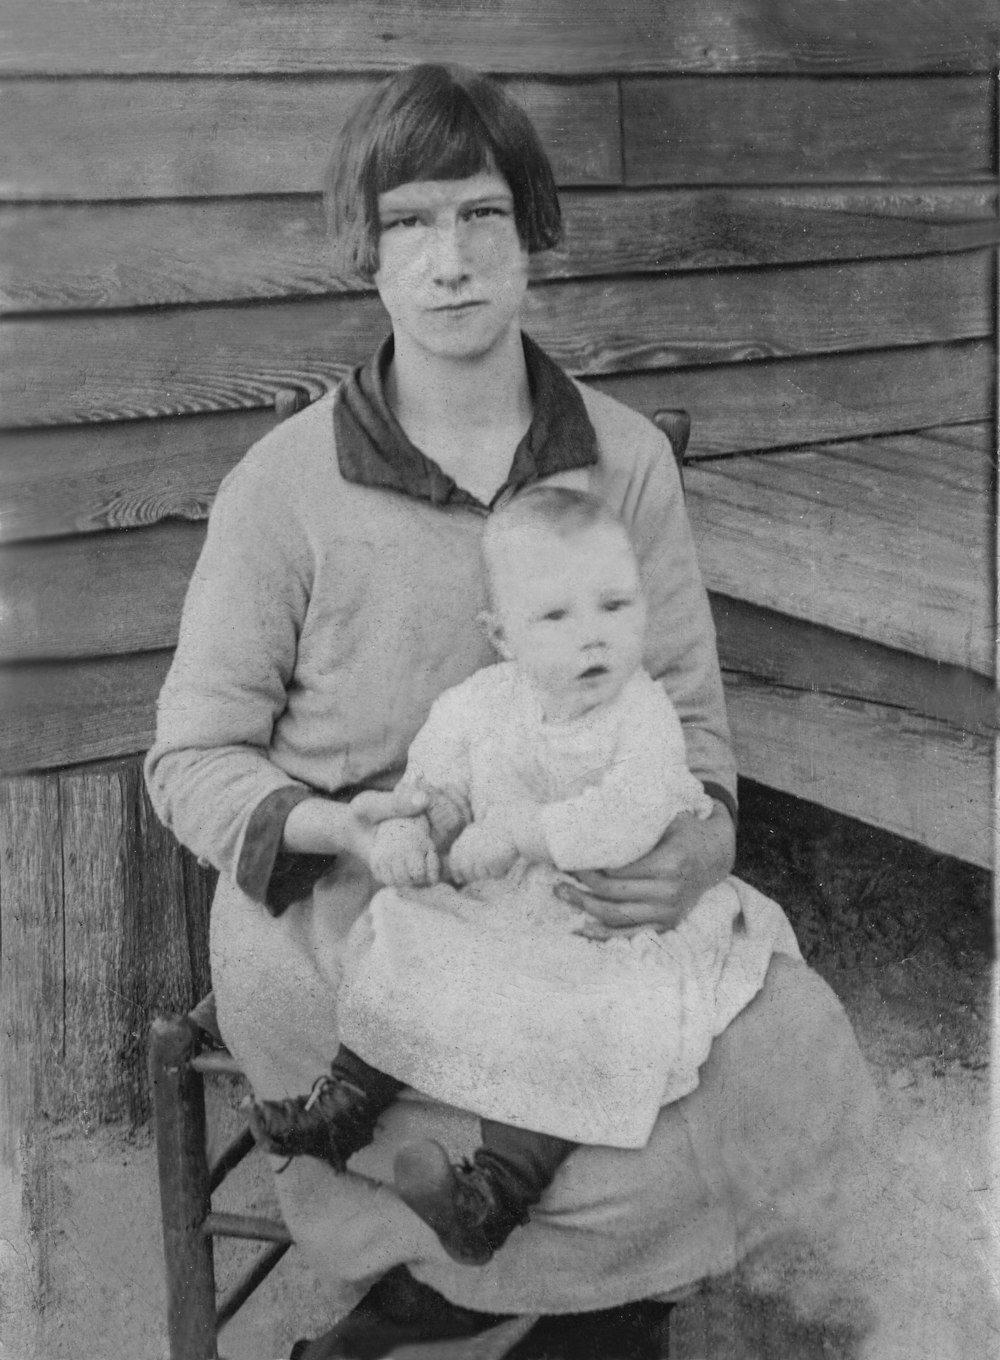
column 183, row 1051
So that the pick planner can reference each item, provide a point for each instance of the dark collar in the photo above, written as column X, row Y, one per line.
column 373, row 450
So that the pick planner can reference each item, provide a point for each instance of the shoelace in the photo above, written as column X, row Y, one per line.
column 316, row 1090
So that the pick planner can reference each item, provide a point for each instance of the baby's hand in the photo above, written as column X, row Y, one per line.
column 481, row 853
column 403, row 853
column 448, row 813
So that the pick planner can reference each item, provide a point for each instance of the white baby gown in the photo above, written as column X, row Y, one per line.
column 488, row 998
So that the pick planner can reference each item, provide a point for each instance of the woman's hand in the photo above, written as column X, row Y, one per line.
column 321, row 826
column 661, row 888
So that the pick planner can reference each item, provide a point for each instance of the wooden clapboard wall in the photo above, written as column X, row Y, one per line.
column 777, row 221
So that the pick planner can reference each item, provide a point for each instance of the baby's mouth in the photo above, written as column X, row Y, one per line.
column 593, row 672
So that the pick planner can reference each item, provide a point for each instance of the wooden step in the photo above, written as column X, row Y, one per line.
column 852, row 586
column 888, row 539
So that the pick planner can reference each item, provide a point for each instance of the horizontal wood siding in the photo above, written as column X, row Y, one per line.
column 57, row 482
column 184, row 138
column 924, row 780
column 140, row 37
column 96, row 256
column 690, row 130
column 176, row 361
column 891, row 540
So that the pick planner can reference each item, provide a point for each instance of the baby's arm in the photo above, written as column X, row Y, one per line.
column 410, row 850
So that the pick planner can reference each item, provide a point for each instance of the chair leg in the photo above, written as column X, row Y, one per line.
column 179, row 1114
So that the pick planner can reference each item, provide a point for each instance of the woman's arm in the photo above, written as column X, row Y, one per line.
column 693, row 855
column 209, row 772
column 661, row 888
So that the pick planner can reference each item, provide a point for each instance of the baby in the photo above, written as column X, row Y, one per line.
column 497, row 995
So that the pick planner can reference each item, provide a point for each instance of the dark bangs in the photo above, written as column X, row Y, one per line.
column 435, row 122
column 436, row 135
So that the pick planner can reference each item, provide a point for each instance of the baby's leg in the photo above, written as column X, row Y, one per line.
column 473, row 1208
column 336, row 1119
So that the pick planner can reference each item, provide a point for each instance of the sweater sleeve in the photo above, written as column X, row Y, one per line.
column 208, row 772
column 681, row 646
column 618, row 820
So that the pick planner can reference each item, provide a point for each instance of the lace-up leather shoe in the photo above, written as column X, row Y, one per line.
column 459, row 1203
column 332, row 1122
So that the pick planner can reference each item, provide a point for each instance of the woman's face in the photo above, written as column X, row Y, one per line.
column 452, row 270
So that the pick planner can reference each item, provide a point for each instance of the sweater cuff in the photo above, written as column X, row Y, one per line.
column 267, row 873
column 723, row 796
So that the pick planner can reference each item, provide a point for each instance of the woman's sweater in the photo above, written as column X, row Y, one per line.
column 325, row 614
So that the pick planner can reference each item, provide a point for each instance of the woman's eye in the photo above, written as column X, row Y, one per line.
column 488, row 210
column 410, row 221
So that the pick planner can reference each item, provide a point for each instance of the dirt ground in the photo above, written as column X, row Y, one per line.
column 904, row 937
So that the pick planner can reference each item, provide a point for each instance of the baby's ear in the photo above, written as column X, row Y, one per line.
column 491, row 626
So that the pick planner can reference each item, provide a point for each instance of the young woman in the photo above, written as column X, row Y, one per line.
column 336, row 597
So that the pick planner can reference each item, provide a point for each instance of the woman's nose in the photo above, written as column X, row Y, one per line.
column 450, row 259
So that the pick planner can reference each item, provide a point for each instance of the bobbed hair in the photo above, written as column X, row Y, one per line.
column 440, row 122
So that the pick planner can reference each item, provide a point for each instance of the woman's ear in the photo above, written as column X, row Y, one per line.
column 492, row 627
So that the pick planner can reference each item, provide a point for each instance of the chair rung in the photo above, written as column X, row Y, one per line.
column 230, row 1159
column 216, row 1064
column 245, row 1225
column 258, row 1272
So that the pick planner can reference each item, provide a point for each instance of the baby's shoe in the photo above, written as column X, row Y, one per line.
column 459, row 1203
column 332, row 1122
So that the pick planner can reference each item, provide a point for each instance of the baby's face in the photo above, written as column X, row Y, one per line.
column 571, row 614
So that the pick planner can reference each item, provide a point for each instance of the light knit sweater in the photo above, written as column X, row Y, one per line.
column 324, row 617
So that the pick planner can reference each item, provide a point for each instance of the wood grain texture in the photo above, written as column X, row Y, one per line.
column 564, row 36
column 58, row 715
column 742, row 407
column 132, row 946
column 174, row 362
column 99, row 1006
column 98, row 595
column 799, row 654
column 912, row 776
column 31, row 959
column 84, row 479
column 891, row 540
column 66, row 257
column 688, row 130
column 106, row 139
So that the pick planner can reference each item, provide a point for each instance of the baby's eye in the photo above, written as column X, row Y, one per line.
column 612, row 606
column 554, row 615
